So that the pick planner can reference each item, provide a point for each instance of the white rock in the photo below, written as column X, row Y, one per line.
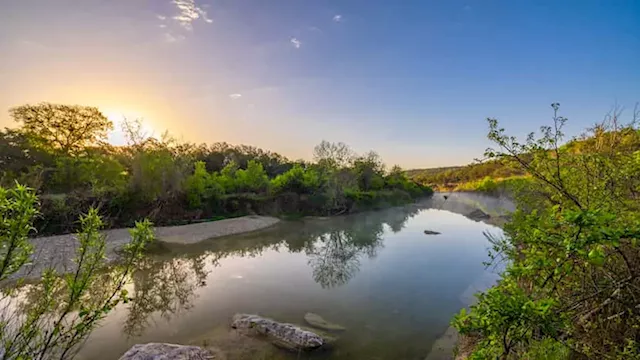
column 288, row 336
column 162, row 351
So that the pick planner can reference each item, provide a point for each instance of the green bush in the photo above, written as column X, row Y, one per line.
column 53, row 318
column 298, row 180
column 201, row 188
column 252, row 179
column 227, row 177
column 571, row 249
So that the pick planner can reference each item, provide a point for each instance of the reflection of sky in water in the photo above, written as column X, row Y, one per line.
column 378, row 274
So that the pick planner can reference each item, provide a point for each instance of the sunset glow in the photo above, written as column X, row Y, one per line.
column 118, row 117
column 381, row 76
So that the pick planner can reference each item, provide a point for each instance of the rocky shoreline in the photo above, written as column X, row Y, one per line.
column 290, row 337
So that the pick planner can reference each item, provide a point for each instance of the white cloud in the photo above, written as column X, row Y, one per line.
column 235, row 96
column 162, row 26
column 188, row 12
column 161, row 17
column 337, row 18
column 296, row 43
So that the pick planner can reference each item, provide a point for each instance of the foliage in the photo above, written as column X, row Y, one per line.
column 21, row 160
column 157, row 172
column 252, row 179
column 53, row 317
column 227, row 177
column 94, row 172
column 173, row 182
column 68, row 128
column 572, row 245
column 499, row 316
column 457, row 177
column 298, row 180
column 333, row 155
column 369, row 171
column 201, row 187
column 494, row 186
column 17, row 211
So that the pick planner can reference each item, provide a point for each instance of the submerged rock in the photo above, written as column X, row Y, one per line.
column 317, row 321
column 478, row 214
column 163, row 351
column 288, row 336
column 431, row 232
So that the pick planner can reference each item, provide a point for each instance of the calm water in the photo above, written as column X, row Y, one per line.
column 377, row 273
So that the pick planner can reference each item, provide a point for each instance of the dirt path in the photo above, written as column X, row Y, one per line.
column 58, row 251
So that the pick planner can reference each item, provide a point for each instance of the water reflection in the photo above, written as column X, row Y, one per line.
column 167, row 283
column 165, row 287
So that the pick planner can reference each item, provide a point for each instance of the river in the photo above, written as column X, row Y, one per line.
column 378, row 274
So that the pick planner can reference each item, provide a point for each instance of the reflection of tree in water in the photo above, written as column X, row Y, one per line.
column 166, row 287
column 166, row 283
column 335, row 248
column 334, row 259
column 335, row 255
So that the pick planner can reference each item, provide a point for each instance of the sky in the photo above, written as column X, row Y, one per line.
column 412, row 80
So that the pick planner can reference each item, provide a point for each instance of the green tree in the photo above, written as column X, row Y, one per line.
column 572, row 245
column 52, row 318
column 369, row 171
column 298, row 180
column 201, row 187
column 68, row 128
column 333, row 155
column 252, row 179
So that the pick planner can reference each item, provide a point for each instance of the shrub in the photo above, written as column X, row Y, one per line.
column 201, row 188
column 51, row 319
column 252, row 179
column 298, row 180
column 572, row 249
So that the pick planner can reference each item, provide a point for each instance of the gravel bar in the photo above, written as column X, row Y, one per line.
column 58, row 251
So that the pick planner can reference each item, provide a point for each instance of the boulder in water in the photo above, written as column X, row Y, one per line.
column 317, row 321
column 163, row 351
column 288, row 336
column 431, row 232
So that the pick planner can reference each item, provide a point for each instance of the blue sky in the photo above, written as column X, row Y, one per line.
column 413, row 80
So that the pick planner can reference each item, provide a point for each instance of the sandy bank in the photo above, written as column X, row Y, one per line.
column 58, row 251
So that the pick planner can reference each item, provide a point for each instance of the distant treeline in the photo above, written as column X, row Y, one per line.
column 502, row 173
column 455, row 178
column 60, row 151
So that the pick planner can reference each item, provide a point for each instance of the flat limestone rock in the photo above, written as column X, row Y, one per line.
column 288, row 336
column 317, row 321
column 163, row 351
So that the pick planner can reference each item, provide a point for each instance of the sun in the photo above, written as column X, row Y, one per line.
column 118, row 117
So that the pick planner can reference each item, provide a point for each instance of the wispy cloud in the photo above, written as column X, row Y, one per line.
column 161, row 17
column 162, row 26
column 296, row 43
column 171, row 38
column 188, row 12
column 337, row 18
column 235, row 96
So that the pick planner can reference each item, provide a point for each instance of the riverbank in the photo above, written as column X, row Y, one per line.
column 471, row 204
column 58, row 251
